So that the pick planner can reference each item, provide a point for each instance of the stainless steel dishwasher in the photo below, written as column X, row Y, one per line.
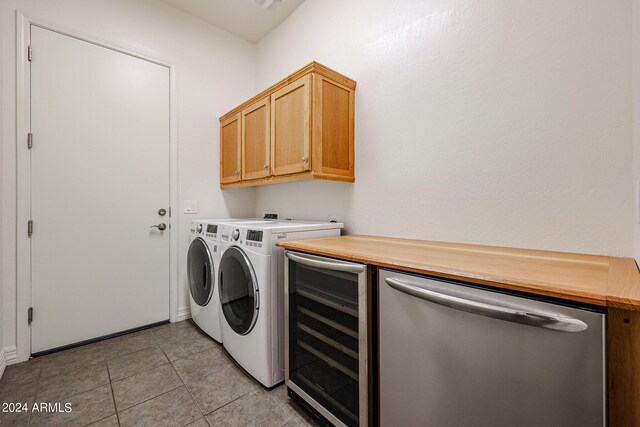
column 453, row 354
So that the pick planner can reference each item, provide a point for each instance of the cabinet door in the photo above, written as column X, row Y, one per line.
column 333, row 108
column 290, row 127
column 230, row 150
column 256, row 140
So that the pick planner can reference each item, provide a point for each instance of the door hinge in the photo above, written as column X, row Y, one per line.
column 30, row 228
column 29, row 53
column 29, row 140
column 30, row 315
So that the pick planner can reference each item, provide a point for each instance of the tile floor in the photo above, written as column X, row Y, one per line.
column 171, row 375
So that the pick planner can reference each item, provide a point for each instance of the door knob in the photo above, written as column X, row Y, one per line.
column 162, row 212
column 162, row 226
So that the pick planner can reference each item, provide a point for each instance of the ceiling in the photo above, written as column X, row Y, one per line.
column 243, row 18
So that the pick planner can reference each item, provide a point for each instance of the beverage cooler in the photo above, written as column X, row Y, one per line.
column 326, row 337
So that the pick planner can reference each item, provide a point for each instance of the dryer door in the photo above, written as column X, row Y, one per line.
column 200, row 272
column 238, row 289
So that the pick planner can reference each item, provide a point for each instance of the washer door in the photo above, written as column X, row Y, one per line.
column 200, row 272
column 238, row 290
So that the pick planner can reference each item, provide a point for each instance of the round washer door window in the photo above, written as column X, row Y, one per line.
column 200, row 272
column 238, row 288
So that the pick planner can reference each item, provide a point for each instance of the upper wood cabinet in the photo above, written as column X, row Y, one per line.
column 230, row 143
column 300, row 128
column 291, row 131
column 333, row 125
column 256, row 140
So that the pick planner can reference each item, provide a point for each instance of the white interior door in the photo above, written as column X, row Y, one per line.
column 99, row 175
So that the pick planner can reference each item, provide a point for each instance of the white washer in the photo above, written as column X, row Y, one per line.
column 202, row 272
column 251, row 291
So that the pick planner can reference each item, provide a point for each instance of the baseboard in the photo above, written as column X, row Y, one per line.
column 3, row 362
column 11, row 354
column 8, row 356
column 184, row 313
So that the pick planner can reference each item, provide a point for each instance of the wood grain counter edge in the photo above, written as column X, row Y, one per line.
column 598, row 280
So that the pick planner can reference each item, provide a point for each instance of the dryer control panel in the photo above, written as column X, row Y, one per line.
column 254, row 235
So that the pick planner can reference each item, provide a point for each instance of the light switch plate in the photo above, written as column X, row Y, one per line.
column 190, row 206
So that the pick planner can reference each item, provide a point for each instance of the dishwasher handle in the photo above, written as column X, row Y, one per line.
column 328, row 264
column 557, row 323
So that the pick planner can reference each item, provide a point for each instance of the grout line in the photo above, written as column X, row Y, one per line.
column 35, row 397
column 230, row 402
column 145, row 369
column 191, row 354
column 134, row 351
column 147, row 400
column 75, row 376
column 102, row 419
column 180, row 378
column 151, row 398
column 113, row 396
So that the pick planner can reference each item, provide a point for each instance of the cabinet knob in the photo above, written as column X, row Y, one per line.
column 305, row 159
column 237, row 172
column 266, row 167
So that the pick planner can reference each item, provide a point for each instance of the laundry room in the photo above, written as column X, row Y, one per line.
column 319, row 213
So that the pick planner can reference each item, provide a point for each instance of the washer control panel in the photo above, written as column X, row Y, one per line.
column 212, row 231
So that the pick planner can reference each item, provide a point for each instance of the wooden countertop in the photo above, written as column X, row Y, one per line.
column 599, row 280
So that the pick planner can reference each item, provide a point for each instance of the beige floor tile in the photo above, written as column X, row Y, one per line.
column 22, row 373
column 68, row 361
column 73, row 382
column 175, row 408
column 16, row 418
column 199, row 423
column 86, row 408
column 10, row 392
column 255, row 408
column 134, row 363
column 185, row 345
column 145, row 385
column 111, row 421
column 172, row 330
column 199, row 365
column 17, row 392
column 129, row 343
column 224, row 386
column 147, row 389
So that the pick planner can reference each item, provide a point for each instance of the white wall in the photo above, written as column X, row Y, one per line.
column 216, row 71
column 2, row 310
column 636, row 127
column 503, row 122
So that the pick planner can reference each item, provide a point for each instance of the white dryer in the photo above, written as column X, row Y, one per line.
column 251, row 291
column 202, row 272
